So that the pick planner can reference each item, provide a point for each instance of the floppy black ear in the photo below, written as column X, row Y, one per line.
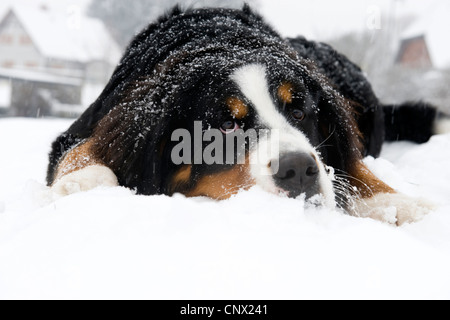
column 128, row 140
column 342, row 140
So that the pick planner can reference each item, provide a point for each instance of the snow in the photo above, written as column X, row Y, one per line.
column 110, row 243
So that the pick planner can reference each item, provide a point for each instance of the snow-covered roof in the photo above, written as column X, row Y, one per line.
column 435, row 26
column 72, row 37
column 38, row 76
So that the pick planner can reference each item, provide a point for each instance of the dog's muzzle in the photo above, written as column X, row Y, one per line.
column 298, row 173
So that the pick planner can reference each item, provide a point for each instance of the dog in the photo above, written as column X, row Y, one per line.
column 212, row 74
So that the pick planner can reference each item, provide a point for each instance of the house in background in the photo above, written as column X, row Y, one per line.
column 5, row 96
column 414, row 53
column 52, row 64
column 424, row 44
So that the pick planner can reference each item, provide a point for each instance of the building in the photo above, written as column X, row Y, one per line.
column 424, row 44
column 52, row 64
column 414, row 53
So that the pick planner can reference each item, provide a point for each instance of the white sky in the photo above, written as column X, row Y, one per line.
column 59, row 4
column 316, row 19
column 322, row 19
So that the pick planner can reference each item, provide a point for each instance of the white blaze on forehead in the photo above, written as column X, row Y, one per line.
column 252, row 82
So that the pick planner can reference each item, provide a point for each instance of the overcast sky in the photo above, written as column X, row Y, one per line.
column 317, row 19
column 327, row 18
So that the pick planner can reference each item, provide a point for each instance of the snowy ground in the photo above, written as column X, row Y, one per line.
column 109, row 243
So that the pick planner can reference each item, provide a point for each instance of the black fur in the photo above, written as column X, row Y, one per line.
column 348, row 79
column 377, row 122
column 410, row 121
column 177, row 71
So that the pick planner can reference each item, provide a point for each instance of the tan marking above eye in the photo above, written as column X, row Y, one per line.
column 238, row 108
column 285, row 92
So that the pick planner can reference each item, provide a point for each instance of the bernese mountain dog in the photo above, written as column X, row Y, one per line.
column 213, row 76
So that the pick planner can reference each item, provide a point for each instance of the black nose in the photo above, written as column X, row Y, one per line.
column 297, row 173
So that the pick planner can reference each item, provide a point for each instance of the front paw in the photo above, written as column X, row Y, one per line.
column 84, row 180
column 393, row 208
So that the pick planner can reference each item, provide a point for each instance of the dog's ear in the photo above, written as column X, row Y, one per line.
column 342, row 145
column 128, row 140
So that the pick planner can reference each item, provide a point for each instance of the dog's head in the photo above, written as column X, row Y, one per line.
column 259, row 126
column 210, row 121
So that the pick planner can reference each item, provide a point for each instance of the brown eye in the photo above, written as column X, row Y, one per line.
column 229, row 127
column 298, row 115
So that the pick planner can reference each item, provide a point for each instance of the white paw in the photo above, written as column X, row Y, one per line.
column 396, row 209
column 442, row 126
column 84, row 180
